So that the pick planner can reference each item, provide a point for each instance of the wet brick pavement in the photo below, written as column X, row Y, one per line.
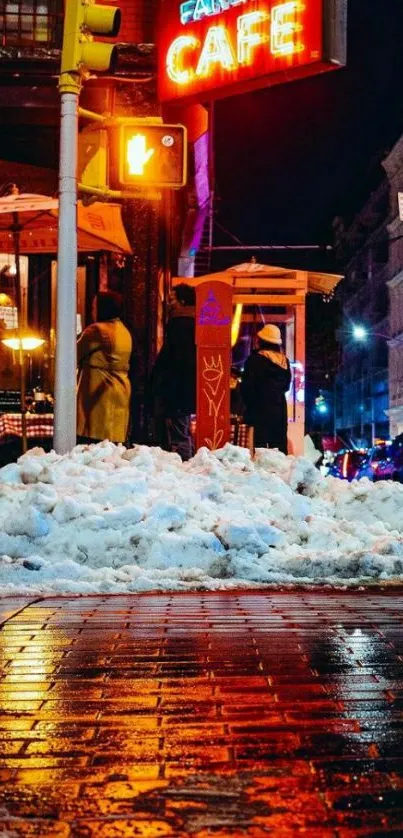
column 225, row 715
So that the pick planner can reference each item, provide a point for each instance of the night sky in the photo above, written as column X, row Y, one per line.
column 290, row 158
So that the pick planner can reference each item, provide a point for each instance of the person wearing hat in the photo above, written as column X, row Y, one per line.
column 266, row 380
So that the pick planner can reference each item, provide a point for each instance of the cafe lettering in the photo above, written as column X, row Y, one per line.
column 212, row 48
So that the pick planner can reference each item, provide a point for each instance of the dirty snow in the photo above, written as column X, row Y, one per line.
column 107, row 519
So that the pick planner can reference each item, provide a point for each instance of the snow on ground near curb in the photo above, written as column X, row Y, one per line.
column 107, row 519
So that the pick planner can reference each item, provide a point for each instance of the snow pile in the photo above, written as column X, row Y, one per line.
column 107, row 519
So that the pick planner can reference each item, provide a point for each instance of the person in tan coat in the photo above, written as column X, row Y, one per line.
column 103, row 357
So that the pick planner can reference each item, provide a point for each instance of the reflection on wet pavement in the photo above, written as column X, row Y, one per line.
column 225, row 715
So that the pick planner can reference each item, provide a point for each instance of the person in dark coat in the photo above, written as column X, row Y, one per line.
column 173, row 381
column 266, row 380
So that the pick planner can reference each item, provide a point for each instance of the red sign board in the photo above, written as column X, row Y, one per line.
column 213, row 341
column 213, row 48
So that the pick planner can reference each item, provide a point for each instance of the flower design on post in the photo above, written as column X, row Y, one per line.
column 213, row 374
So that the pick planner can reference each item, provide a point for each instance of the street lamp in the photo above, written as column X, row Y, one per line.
column 26, row 342
column 360, row 333
column 321, row 410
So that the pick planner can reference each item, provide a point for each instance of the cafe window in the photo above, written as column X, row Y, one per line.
column 37, row 23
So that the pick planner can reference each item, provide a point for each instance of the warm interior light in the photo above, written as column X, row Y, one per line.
column 27, row 343
column 5, row 300
column 236, row 323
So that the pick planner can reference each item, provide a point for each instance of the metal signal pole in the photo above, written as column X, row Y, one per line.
column 80, row 53
column 65, row 422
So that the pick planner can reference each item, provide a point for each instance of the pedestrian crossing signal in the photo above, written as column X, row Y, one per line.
column 152, row 155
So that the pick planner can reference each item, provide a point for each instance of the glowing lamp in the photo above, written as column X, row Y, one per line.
column 26, row 342
column 360, row 332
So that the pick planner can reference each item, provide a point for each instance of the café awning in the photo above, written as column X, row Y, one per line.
column 99, row 226
column 256, row 278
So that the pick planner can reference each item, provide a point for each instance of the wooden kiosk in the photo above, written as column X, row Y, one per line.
column 257, row 294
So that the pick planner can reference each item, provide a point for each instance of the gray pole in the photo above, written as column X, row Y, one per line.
column 373, row 419
column 21, row 328
column 362, row 399
column 66, row 315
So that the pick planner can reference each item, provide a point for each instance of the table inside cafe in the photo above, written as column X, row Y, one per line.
column 39, row 425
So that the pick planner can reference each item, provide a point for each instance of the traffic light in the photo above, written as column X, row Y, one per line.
column 321, row 404
column 150, row 155
column 80, row 52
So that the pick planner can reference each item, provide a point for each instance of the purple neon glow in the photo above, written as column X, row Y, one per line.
column 201, row 151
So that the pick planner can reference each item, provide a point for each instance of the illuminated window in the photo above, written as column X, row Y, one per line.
column 31, row 23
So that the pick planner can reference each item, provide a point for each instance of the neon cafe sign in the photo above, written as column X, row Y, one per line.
column 212, row 48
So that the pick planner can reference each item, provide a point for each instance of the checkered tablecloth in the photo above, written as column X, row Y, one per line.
column 37, row 426
column 240, row 435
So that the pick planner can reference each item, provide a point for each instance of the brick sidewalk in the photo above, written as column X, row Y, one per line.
column 225, row 715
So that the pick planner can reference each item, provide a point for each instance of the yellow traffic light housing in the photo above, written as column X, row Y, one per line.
column 80, row 52
column 92, row 158
column 150, row 155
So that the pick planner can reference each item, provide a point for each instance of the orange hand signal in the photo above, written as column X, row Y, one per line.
column 137, row 154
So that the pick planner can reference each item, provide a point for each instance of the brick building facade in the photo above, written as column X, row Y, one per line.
column 29, row 107
column 36, row 26
column 138, row 21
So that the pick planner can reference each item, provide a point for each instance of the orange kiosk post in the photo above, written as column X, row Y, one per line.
column 213, row 346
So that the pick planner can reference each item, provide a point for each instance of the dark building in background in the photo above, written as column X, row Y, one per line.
column 393, row 165
column 361, row 385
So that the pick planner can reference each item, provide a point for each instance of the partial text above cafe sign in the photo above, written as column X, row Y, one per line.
column 210, row 49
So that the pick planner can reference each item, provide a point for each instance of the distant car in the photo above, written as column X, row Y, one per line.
column 377, row 465
column 347, row 463
column 384, row 462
